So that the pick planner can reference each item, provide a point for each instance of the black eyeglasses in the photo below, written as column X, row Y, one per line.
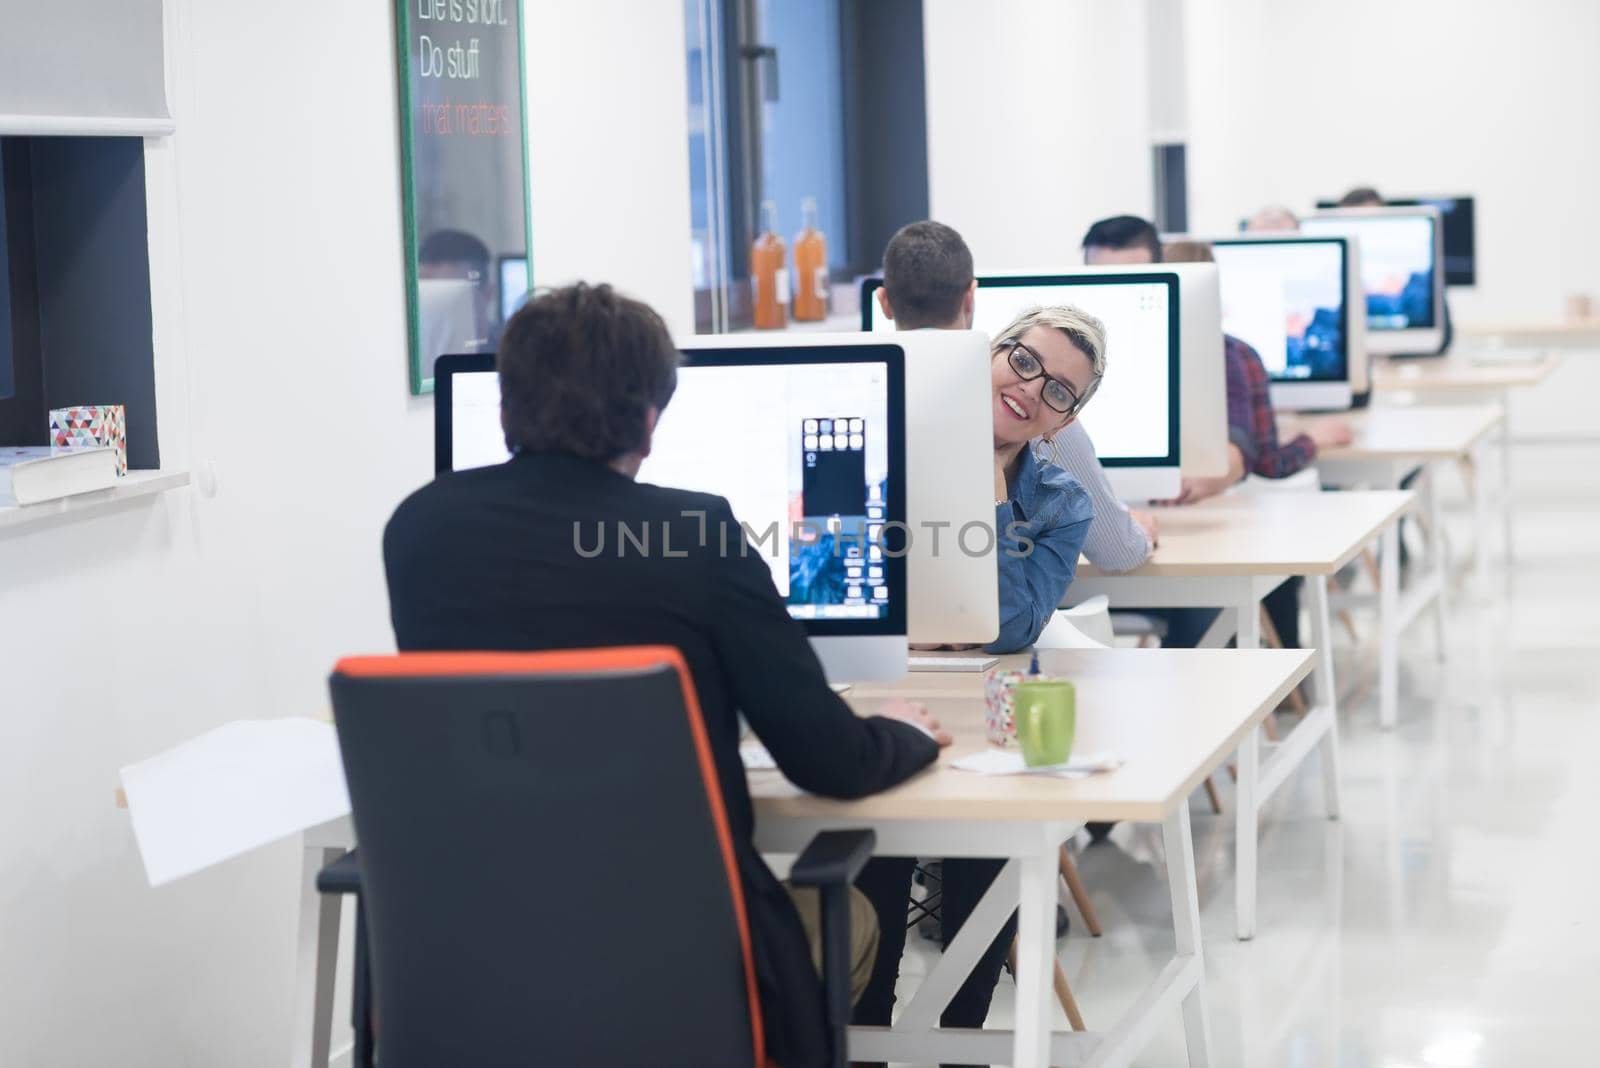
column 1026, row 363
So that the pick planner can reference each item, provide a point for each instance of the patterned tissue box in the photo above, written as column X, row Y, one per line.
column 90, row 426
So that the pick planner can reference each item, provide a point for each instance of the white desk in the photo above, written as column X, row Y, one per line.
column 1464, row 378
column 1173, row 716
column 1229, row 552
column 1390, row 444
column 1574, row 333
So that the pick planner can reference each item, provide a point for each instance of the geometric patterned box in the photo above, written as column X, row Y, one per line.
column 90, row 426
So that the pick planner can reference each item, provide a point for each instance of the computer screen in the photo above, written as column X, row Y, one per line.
column 1133, row 419
column 473, row 396
column 806, row 444
column 1460, row 234
column 513, row 285
column 1397, row 264
column 1285, row 298
column 800, row 447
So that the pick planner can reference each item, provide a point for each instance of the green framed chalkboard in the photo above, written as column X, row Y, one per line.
column 463, row 145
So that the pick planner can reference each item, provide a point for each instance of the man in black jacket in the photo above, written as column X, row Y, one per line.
column 501, row 558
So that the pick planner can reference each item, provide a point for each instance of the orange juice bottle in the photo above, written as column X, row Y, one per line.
column 810, row 267
column 769, row 277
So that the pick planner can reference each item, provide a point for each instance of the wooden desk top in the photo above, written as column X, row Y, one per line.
column 1267, row 533
column 1462, row 374
column 1171, row 715
column 1398, row 433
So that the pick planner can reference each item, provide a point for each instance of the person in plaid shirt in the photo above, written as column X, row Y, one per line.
column 1252, row 425
column 1253, row 442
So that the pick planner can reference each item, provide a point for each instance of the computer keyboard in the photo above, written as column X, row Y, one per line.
column 952, row 662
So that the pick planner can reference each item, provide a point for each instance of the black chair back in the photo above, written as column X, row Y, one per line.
column 547, row 872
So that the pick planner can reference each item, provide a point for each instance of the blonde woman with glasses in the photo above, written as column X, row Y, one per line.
column 1046, row 365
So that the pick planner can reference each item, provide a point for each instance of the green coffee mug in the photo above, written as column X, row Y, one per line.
column 1046, row 714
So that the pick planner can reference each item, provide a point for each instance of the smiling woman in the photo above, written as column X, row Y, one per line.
column 1047, row 364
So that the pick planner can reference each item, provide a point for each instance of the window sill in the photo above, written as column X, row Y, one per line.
column 134, row 486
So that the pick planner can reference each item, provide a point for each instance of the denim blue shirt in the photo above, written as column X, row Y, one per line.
column 1040, row 533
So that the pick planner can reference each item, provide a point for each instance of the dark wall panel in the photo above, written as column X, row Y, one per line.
column 886, row 123
column 22, row 414
column 8, row 377
column 92, row 246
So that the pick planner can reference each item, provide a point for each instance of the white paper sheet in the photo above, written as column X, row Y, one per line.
column 232, row 790
column 1010, row 762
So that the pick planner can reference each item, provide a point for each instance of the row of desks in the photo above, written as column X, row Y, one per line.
column 1173, row 716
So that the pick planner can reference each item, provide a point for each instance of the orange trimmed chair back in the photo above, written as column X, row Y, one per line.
column 546, row 867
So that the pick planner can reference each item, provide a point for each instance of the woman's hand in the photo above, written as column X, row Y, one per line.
column 1147, row 523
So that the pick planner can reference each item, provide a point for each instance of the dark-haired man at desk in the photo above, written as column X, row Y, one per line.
column 485, row 559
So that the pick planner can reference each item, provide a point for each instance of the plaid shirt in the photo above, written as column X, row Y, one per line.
column 1250, row 422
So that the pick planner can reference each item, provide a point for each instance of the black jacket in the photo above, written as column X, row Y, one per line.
column 490, row 559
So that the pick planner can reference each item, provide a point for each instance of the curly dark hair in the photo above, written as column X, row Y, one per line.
column 579, row 368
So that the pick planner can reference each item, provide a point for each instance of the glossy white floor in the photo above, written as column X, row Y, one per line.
column 1449, row 919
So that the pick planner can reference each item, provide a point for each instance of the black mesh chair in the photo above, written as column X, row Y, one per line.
column 505, row 804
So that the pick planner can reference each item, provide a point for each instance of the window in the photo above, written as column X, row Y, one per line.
column 792, row 102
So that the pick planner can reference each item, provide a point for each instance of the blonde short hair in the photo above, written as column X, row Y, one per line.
column 1082, row 329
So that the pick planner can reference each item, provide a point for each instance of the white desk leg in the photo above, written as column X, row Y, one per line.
column 1246, row 797
column 1247, row 634
column 1325, row 692
column 1389, row 627
column 1480, row 519
column 1506, row 516
column 1246, row 822
column 316, row 956
column 1179, row 848
column 1036, row 927
column 1438, row 557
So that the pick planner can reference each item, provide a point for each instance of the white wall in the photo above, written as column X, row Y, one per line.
column 1038, row 123
column 609, row 148
column 276, row 250
column 1291, row 101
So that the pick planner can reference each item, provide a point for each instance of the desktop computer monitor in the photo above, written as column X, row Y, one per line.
column 1288, row 297
column 1401, row 250
column 951, row 574
column 513, row 285
column 1162, row 410
column 1460, row 233
column 808, row 446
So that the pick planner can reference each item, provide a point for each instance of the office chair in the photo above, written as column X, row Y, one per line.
column 504, row 804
